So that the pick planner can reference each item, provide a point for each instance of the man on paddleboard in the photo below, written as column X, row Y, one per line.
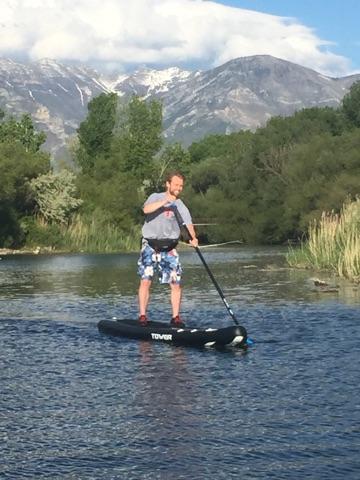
column 161, row 234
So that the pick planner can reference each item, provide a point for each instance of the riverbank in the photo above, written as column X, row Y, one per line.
column 4, row 252
column 333, row 244
column 25, row 251
column 52, row 250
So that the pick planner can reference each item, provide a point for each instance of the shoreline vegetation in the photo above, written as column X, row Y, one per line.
column 131, row 245
column 81, row 236
column 259, row 187
column 333, row 244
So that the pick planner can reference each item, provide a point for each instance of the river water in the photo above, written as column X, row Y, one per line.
column 76, row 404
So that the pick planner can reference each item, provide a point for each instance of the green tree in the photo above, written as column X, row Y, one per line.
column 138, row 137
column 220, row 146
column 17, row 168
column 113, row 180
column 351, row 104
column 323, row 174
column 55, row 196
column 95, row 133
column 21, row 131
column 114, row 201
column 172, row 158
column 20, row 161
column 205, row 175
column 256, row 187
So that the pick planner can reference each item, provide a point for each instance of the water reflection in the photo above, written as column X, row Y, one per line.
column 61, row 283
column 169, row 391
column 79, row 405
column 80, row 274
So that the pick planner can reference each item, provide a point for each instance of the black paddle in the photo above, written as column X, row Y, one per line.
column 217, row 286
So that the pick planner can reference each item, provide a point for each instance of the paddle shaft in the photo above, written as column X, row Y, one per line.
column 213, row 279
column 216, row 285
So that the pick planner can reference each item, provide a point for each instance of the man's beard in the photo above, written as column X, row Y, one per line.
column 175, row 193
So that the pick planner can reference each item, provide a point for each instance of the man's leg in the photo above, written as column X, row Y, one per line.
column 175, row 298
column 144, row 294
column 146, row 264
column 170, row 272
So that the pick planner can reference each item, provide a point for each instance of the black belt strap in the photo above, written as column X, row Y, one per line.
column 162, row 244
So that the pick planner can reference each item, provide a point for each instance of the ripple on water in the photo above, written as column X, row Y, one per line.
column 79, row 405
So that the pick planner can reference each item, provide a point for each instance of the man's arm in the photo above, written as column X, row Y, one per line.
column 194, row 241
column 153, row 206
column 184, row 218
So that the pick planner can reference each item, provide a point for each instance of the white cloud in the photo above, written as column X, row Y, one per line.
column 160, row 32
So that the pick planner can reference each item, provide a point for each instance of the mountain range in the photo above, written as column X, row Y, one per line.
column 241, row 94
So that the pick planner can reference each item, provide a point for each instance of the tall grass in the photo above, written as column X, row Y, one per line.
column 102, row 238
column 333, row 243
column 81, row 235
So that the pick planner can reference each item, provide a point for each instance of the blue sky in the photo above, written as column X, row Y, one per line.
column 333, row 20
column 123, row 35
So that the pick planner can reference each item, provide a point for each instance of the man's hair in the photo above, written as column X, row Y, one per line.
column 172, row 174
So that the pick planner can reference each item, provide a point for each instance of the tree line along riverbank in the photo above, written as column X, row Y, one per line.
column 270, row 186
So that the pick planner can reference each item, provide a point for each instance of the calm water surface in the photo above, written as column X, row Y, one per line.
column 79, row 405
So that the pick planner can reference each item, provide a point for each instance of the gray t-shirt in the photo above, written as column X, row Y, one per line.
column 162, row 223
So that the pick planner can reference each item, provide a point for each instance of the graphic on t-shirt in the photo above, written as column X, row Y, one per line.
column 168, row 212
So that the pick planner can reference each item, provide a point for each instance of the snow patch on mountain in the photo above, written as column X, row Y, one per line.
column 241, row 94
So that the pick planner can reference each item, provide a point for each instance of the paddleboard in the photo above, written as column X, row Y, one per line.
column 162, row 332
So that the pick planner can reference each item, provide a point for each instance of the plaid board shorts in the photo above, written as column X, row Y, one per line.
column 167, row 264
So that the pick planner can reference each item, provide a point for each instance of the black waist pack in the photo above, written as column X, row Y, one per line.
column 162, row 244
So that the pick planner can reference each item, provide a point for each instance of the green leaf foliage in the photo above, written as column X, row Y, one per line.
column 21, row 132
column 55, row 196
column 17, row 167
column 263, row 187
column 351, row 105
column 173, row 158
column 138, row 137
column 258, row 187
column 95, row 133
column 114, row 173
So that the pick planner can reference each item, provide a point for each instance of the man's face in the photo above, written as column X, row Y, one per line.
column 175, row 186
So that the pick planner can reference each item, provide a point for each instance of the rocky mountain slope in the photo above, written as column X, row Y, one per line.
column 241, row 94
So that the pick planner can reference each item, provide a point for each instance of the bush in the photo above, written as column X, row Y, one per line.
column 39, row 233
column 333, row 243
